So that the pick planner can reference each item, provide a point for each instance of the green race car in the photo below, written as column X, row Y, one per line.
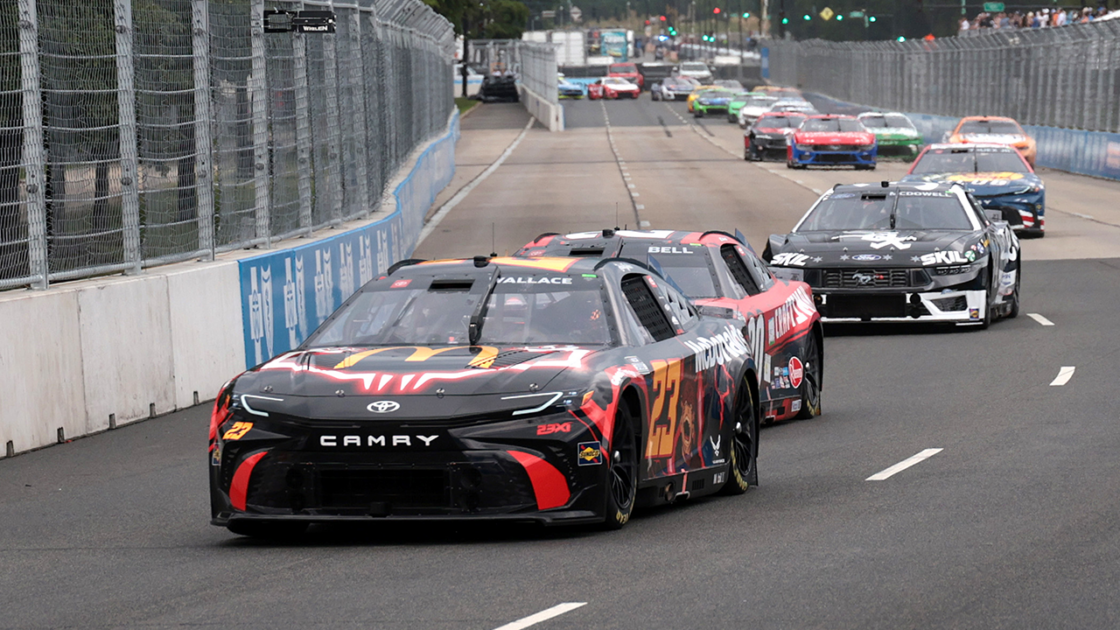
column 895, row 134
column 737, row 103
column 711, row 102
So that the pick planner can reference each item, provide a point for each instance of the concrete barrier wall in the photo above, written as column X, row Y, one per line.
column 1093, row 153
column 549, row 114
column 92, row 355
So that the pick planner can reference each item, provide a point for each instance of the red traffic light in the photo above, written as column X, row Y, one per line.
column 715, row 10
column 662, row 18
column 647, row 22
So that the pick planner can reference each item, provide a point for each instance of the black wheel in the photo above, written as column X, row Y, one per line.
column 813, row 364
column 744, row 443
column 1014, row 311
column 622, row 471
column 698, row 114
column 269, row 530
column 747, row 154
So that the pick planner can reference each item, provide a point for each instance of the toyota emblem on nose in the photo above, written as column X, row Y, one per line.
column 383, row 406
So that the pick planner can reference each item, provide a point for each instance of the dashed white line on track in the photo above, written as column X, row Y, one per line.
column 1064, row 375
column 1040, row 319
column 904, row 464
column 543, row 615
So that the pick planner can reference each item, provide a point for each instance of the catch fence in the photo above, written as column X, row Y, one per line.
column 532, row 64
column 141, row 132
column 1065, row 77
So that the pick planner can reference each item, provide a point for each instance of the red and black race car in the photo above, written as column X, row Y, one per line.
column 628, row 71
column 779, row 318
column 551, row 390
column 613, row 87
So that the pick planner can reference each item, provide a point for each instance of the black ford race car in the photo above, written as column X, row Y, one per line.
column 550, row 390
column 902, row 252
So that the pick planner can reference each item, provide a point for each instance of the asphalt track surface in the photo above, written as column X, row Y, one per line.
column 1014, row 524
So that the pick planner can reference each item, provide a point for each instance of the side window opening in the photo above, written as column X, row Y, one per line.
column 646, row 307
column 739, row 270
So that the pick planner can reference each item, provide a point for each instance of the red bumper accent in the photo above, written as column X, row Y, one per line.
column 549, row 485
column 240, row 485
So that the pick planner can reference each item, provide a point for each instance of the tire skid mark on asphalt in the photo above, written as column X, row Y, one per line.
column 1040, row 319
column 543, row 615
column 1064, row 375
column 887, row 473
column 622, row 170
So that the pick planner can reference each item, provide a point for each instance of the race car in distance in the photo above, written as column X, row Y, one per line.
column 627, row 71
column 548, row 390
column 769, row 135
column 895, row 134
column 612, row 87
column 994, row 130
column 716, row 269
column 831, row 141
column 568, row 89
column 900, row 252
column 711, row 102
column 697, row 70
column 729, row 84
column 778, row 91
column 736, row 103
column 755, row 107
column 695, row 94
column 671, row 89
column 996, row 174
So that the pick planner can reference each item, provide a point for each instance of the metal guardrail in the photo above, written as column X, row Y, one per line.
column 1065, row 77
column 136, row 133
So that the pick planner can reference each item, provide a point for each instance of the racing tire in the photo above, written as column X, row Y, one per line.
column 743, row 470
column 812, row 379
column 267, row 530
column 622, row 471
column 731, row 119
column 1013, row 312
column 697, row 113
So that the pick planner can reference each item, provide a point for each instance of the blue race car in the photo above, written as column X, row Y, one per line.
column 567, row 88
column 996, row 175
column 829, row 140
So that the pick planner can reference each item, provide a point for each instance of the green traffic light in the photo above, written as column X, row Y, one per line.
column 785, row 20
column 746, row 15
column 839, row 18
column 901, row 38
column 871, row 19
column 807, row 18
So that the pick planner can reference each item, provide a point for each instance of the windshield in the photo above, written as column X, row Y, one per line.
column 832, row 124
column 694, row 67
column 969, row 161
column 616, row 81
column 779, row 122
column 872, row 211
column 519, row 311
column 688, row 269
column 998, row 127
column 623, row 68
column 760, row 101
column 716, row 94
column 731, row 85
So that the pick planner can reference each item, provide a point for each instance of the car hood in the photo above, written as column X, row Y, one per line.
column 857, row 248
column 833, row 137
column 984, row 184
column 439, row 375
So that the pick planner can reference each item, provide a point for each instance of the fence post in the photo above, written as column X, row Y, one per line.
column 303, row 130
column 334, row 130
column 358, row 100
column 126, row 106
column 258, row 92
column 34, row 152
column 200, row 42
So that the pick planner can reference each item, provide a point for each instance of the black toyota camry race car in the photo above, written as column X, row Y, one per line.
column 549, row 390
column 902, row 252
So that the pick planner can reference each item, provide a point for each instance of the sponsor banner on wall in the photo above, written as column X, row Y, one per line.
column 287, row 294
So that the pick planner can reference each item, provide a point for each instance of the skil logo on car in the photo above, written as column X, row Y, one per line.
column 712, row 351
column 331, row 441
column 590, row 453
column 790, row 259
column 948, row 258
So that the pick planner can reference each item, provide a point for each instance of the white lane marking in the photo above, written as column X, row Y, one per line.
column 631, row 186
column 634, row 194
column 1040, row 319
column 641, row 207
column 1064, row 375
column 446, row 208
column 1083, row 216
column 816, row 190
column 904, row 464
column 543, row 615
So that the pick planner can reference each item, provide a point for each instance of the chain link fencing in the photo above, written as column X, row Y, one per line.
column 1064, row 77
column 142, row 132
column 532, row 63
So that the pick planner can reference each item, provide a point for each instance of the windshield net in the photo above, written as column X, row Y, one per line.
column 999, row 127
column 862, row 211
column 968, row 161
column 518, row 312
